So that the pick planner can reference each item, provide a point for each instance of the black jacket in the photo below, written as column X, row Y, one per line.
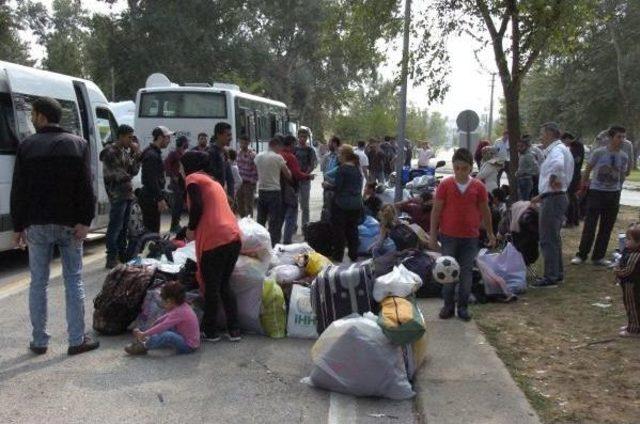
column 52, row 180
column 153, row 179
column 220, row 168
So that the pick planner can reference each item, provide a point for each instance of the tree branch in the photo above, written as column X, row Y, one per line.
column 512, row 9
column 496, row 39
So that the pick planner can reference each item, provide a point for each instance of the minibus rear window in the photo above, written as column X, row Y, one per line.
column 182, row 104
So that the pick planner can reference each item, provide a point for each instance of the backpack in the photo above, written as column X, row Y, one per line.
column 120, row 298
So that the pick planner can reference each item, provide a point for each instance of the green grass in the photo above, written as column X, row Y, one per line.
column 634, row 177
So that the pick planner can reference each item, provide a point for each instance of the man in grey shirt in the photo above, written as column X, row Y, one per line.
column 603, row 139
column 608, row 166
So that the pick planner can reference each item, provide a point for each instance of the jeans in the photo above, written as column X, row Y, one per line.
column 119, row 213
column 169, row 339
column 602, row 206
column 345, row 223
column 552, row 213
column 327, row 205
column 304, row 193
column 41, row 240
column 270, row 209
column 245, row 197
column 464, row 250
column 216, row 266
column 290, row 222
column 525, row 186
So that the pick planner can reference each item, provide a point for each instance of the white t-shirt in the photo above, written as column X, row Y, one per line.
column 424, row 155
column 269, row 165
column 463, row 187
column 364, row 160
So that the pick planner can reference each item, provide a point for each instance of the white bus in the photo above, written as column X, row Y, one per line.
column 85, row 112
column 192, row 109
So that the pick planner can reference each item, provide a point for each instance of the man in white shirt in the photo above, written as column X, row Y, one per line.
column 364, row 160
column 424, row 155
column 556, row 172
column 503, row 153
column 270, row 166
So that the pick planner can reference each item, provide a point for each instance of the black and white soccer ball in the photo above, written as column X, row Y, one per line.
column 446, row 270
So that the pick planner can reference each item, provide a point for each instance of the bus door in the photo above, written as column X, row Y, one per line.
column 88, row 133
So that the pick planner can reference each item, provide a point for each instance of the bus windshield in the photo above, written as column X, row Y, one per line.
column 183, row 104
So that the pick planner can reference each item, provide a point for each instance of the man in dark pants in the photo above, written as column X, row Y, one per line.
column 53, row 204
column 577, row 151
column 219, row 167
column 120, row 165
column 152, row 197
column 176, row 181
column 308, row 161
column 609, row 166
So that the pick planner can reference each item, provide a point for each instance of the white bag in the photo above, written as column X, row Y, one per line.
column 302, row 320
column 503, row 272
column 287, row 273
column 246, row 283
column 400, row 282
column 255, row 239
column 285, row 254
column 353, row 356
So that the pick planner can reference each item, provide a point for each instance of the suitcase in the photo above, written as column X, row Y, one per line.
column 339, row 291
column 319, row 235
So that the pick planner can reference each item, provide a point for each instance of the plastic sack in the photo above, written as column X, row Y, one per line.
column 286, row 254
column 301, row 321
column 255, row 239
column 401, row 320
column 368, row 233
column 313, row 263
column 286, row 273
column 400, row 282
column 353, row 356
column 274, row 315
column 246, row 283
column 415, row 355
column 503, row 272
column 181, row 255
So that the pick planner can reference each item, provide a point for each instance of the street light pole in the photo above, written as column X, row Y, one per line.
column 490, row 130
column 402, row 119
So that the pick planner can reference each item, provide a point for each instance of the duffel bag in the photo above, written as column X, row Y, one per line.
column 401, row 320
column 319, row 235
column 120, row 298
column 404, row 237
column 339, row 291
column 422, row 264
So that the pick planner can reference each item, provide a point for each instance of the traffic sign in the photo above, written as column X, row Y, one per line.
column 467, row 121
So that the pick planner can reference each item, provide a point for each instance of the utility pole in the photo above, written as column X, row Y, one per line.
column 113, row 85
column 493, row 82
column 402, row 119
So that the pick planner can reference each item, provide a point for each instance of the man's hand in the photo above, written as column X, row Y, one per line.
column 162, row 206
column 492, row 241
column 555, row 185
column 433, row 244
column 135, row 147
column 536, row 200
column 191, row 235
column 19, row 240
column 80, row 232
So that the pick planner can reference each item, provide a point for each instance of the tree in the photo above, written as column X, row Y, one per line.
column 518, row 31
column 12, row 48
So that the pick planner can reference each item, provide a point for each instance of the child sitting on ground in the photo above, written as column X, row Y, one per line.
column 628, row 275
column 177, row 329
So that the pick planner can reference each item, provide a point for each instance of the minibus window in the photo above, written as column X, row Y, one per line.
column 70, row 118
column 183, row 104
column 107, row 125
column 8, row 139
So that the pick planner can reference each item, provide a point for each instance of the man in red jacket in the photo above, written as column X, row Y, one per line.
column 290, row 189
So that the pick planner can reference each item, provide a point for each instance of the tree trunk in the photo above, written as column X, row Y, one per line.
column 512, row 100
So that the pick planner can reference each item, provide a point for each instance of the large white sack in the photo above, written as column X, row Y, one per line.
column 246, row 283
column 286, row 254
column 286, row 273
column 400, row 282
column 353, row 356
column 301, row 321
column 255, row 239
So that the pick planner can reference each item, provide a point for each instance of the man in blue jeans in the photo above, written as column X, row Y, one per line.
column 53, row 204
column 120, row 161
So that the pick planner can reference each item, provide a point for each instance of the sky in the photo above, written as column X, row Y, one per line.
column 469, row 78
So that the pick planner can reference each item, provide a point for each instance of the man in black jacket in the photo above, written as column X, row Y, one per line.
column 219, row 167
column 152, row 198
column 53, row 204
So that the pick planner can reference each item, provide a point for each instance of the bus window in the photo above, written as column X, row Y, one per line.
column 70, row 118
column 107, row 125
column 8, row 139
column 183, row 104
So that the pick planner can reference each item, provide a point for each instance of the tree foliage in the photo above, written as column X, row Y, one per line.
column 12, row 48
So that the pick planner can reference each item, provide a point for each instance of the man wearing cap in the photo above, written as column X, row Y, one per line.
column 176, row 180
column 556, row 172
column 152, row 197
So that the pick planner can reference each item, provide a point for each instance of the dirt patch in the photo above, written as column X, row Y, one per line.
column 563, row 350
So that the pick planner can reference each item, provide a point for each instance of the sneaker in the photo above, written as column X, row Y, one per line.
column 136, row 348
column 601, row 262
column 464, row 315
column 41, row 350
column 215, row 337
column 577, row 261
column 446, row 313
column 233, row 335
column 112, row 263
column 87, row 345
column 626, row 334
column 543, row 282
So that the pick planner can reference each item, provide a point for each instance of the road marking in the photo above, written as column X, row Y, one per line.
column 21, row 283
column 342, row 409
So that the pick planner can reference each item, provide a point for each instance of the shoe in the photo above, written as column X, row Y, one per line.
column 136, row 348
column 544, row 282
column 464, row 315
column 446, row 313
column 601, row 262
column 233, row 335
column 41, row 350
column 623, row 328
column 87, row 345
column 215, row 337
column 112, row 263
column 577, row 261
column 626, row 334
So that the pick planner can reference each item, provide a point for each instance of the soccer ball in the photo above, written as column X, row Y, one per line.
column 446, row 270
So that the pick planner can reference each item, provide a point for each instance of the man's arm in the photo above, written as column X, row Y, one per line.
column 151, row 176
column 438, row 204
column 284, row 169
column 487, row 222
column 314, row 159
column 19, row 202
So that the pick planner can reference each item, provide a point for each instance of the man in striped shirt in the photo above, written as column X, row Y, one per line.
column 249, row 174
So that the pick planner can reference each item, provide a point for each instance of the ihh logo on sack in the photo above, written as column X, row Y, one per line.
column 304, row 319
column 304, row 305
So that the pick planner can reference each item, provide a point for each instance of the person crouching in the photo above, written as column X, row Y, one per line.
column 628, row 275
column 177, row 329
column 213, row 226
